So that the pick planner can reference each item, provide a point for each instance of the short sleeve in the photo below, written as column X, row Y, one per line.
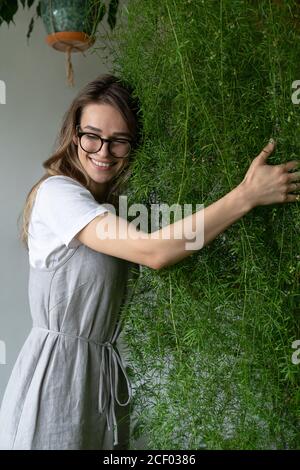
column 65, row 206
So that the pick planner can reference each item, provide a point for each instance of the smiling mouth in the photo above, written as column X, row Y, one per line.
column 100, row 164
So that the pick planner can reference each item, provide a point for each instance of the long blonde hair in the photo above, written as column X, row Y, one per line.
column 104, row 89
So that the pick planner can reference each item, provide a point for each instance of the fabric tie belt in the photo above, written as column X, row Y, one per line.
column 109, row 377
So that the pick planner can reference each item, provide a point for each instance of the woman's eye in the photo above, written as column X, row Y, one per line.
column 93, row 137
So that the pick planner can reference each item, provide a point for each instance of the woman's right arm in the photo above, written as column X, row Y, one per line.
column 263, row 184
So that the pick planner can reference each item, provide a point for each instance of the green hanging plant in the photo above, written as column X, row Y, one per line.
column 8, row 9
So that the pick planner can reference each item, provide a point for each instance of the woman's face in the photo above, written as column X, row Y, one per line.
column 105, row 121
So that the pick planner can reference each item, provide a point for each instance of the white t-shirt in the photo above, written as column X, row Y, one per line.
column 61, row 209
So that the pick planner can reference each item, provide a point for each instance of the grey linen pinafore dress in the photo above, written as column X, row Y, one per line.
column 69, row 381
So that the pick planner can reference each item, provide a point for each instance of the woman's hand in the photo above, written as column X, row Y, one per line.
column 269, row 184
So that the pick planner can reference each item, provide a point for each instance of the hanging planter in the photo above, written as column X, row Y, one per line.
column 71, row 25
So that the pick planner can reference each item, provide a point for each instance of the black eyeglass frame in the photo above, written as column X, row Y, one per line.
column 80, row 134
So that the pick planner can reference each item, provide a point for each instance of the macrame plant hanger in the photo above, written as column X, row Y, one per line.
column 68, row 41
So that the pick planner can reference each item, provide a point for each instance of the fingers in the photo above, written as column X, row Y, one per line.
column 294, row 176
column 266, row 151
column 294, row 187
column 291, row 198
column 292, row 165
column 288, row 166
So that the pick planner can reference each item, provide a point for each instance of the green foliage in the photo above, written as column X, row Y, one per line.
column 8, row 9
column 210, row 337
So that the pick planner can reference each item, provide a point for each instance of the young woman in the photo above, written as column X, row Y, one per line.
column 64, row 390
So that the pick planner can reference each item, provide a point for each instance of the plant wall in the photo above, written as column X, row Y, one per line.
column 210, row 337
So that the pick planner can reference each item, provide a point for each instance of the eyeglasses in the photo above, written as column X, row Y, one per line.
column 92, row 143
